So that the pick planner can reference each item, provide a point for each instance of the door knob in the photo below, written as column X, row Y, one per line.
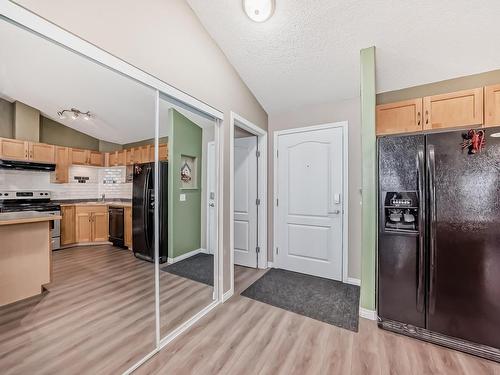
column 336, row 212
column 211, row 204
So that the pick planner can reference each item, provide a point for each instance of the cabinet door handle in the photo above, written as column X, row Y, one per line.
column 426, row 117
column 418, row 118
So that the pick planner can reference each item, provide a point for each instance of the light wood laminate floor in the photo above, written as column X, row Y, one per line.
column 244, row 336
column 97, row 317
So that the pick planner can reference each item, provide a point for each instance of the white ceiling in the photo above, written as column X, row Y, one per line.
column 308, row 52
column 50, row 78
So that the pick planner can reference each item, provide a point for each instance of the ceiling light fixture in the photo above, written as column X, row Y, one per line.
column 259, row 10
column 495, row 135
column 75, row 113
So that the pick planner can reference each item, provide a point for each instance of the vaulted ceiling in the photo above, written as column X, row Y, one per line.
column 308, row 52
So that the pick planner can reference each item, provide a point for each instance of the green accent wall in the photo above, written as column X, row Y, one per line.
column 55, row 133
column 369, row 155
column 184, row 218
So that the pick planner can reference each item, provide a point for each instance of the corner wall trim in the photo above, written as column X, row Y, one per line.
column 227, row 295
column 367, row 314
column 187, row 255
column 353, row 281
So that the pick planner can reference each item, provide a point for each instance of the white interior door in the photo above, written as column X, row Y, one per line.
column 245, row 201
column 211, row 197
column 310, row 202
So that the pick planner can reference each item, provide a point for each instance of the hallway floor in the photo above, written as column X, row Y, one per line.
column 244, row 336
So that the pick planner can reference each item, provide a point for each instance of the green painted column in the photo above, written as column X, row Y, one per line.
column 369, row 155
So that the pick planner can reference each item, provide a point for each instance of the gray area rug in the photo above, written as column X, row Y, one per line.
column 322, row 299
column 199, row 267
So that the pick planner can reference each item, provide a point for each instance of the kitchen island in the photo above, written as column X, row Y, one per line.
column 25, row 254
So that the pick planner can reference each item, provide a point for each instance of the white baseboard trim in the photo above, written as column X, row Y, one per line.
column 353, row 281
column 227, row 295
column 270, row 265
column 185, row 256
column 367, row 314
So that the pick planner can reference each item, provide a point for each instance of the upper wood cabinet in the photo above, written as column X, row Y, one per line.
column 22, row 150
column 79, row 156
column 492, row 105
column 96, row 158
column 62, row 159
column 13, row 149
column 41, row 152
column 400, row 117
column 456, row 109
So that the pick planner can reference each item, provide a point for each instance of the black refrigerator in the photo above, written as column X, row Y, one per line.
column 439, row 240
column 143, row 204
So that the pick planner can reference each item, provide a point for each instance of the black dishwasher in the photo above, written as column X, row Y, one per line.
column 116, row 231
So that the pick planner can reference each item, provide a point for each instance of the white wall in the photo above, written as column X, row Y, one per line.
column 320, row 114
column 166, row 39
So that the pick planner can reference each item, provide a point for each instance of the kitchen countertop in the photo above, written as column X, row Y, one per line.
column 23, row 217
column 95, row 203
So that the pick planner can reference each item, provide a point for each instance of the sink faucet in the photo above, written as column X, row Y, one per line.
column 103, row 197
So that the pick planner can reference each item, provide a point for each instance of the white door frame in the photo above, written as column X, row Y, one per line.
column 345, row 193
column 237, row 120
column 33, row 23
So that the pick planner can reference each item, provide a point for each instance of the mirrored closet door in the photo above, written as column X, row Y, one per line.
column 74, row 137
column 187, row 224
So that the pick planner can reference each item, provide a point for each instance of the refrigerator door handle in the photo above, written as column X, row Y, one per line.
column 431, row 172
column 421, row 231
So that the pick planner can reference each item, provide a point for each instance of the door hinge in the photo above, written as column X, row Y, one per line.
column 277, row 153
column 257, row 249
column 277, row 250
column 277, row 202
column 257, row 153
column 257, row 202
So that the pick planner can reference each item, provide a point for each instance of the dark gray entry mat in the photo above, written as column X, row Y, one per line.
column 322, row 299
column 199, row 267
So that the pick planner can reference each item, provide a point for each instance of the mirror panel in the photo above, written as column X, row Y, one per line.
column 187, row 277
column 94, row 126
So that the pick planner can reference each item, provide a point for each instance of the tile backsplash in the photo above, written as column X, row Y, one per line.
column 98, row 181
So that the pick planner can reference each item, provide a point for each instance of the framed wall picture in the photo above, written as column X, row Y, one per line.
column 188, row 172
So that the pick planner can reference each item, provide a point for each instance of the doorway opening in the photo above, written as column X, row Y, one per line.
column 248, row 196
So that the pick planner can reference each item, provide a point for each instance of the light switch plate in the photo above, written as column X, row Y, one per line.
column 182, row 197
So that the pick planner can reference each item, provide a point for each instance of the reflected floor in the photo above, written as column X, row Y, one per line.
column 97, row 317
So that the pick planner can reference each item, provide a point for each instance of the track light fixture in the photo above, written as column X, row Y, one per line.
column 74, row 114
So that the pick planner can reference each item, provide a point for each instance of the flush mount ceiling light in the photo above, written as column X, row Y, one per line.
column 74, row 114
column 259, row 10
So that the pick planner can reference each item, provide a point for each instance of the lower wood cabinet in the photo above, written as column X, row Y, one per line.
column 127, row 223
column 92, row 224
column 68, row 225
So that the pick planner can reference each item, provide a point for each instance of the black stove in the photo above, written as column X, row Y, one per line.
column 39, row 200
column 33, row 200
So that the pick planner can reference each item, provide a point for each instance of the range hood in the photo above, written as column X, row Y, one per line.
column 26, row 165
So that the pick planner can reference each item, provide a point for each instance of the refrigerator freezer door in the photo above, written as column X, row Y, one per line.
column 465, row 280
column 400, row 270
